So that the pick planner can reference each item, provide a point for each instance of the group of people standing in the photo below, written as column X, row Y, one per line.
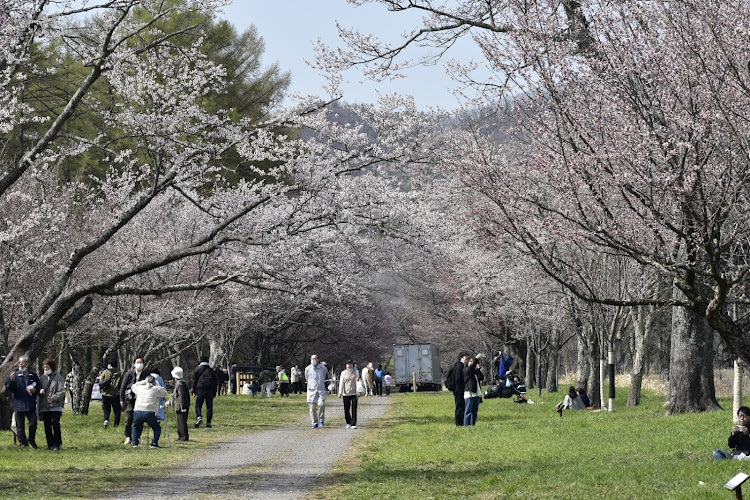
column 31, row 393
column 140, row 393
column 467, row 380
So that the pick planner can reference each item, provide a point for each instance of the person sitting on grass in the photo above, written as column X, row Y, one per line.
column 571, row 402
column 739, row 439
column 584, row 398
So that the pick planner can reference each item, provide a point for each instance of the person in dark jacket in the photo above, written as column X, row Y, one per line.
column 24, row 385
column 181, row 403
column 204, row 388
column 739, row 439
column 127, row 397
column 458, row 389
column 110, row 391
column 472, row 389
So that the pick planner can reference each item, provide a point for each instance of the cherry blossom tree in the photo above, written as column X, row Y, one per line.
column 157, row 222
column 631, row 141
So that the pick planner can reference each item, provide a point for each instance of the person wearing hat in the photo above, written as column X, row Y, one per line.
column 181, row 403
column 348, row 391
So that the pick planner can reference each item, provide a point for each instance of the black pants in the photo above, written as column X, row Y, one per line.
column 350, row 409
column 285, row 389
column 378, row 387
column 182, row 426
column 21, row 417
column 111, row 404
column 460, row 407
column 208, row 397
column 51, row 421
column 129, row 418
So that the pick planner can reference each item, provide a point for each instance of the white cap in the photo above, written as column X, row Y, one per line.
column 177, row 372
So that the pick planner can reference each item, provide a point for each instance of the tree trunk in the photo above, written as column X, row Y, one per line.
column 691, row 374
column 530, row 367
column 642, row 321
column 552, row 359
column 6, row 411
column 76, row 388
column 583, row 365
column 738, row 390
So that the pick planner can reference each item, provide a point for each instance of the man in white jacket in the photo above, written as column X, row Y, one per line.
column 147, row 394
column 315, row 375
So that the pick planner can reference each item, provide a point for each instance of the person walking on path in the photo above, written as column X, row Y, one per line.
column 348, row 391
column 388, row 381
column 24, row 384
column 315, row 374
column 51, row 402
column 109, row 385
column 458, row 388
column 181, row 403
column 204, row 388
column 127, row 396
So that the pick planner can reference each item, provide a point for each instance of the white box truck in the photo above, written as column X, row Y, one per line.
column 422, row 359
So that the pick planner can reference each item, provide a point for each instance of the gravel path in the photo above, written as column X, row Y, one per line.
column 278, row 464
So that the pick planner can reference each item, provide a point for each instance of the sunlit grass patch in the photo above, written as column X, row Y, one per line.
column 529, row 451
column 94, row 462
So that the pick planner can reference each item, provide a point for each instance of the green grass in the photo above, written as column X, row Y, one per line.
column 94, row 463
column 527, row 452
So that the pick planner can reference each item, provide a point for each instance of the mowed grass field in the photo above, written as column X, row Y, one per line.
column 94, row 462
column 527, row 451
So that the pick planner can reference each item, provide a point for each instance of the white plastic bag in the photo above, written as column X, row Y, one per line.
column 360, row 387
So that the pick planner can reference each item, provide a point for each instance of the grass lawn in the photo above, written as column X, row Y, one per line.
column 94, row 463
column 527, row 451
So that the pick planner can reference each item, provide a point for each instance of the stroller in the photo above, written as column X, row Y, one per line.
column 519, row 389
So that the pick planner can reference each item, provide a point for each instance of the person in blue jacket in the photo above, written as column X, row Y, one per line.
column 24, row 385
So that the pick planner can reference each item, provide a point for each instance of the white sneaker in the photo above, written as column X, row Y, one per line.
column 106, row 424
column 354, row 426
column 127, row 440
column 348, row 426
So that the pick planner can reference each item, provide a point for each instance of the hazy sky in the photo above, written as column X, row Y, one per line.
column 291, row 27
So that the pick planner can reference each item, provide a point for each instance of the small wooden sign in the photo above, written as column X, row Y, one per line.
column 736, row 481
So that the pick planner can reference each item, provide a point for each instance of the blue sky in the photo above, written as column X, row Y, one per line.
column 291, row 27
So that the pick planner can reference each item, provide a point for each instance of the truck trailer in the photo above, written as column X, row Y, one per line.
column 422, row 359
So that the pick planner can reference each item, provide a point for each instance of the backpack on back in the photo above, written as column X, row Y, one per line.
column 111, row 386
column 450, row 381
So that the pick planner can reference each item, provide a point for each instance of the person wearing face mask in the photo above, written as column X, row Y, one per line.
column 127, row 396
column 315, row 375
column 24, row 385
column 51, row 402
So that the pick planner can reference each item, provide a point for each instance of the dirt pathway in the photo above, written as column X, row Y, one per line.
column 278, row 464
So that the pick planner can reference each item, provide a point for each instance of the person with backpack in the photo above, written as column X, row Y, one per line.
column 109, row 386
column 127, row 396
column 204, row 388
column 455, row 383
